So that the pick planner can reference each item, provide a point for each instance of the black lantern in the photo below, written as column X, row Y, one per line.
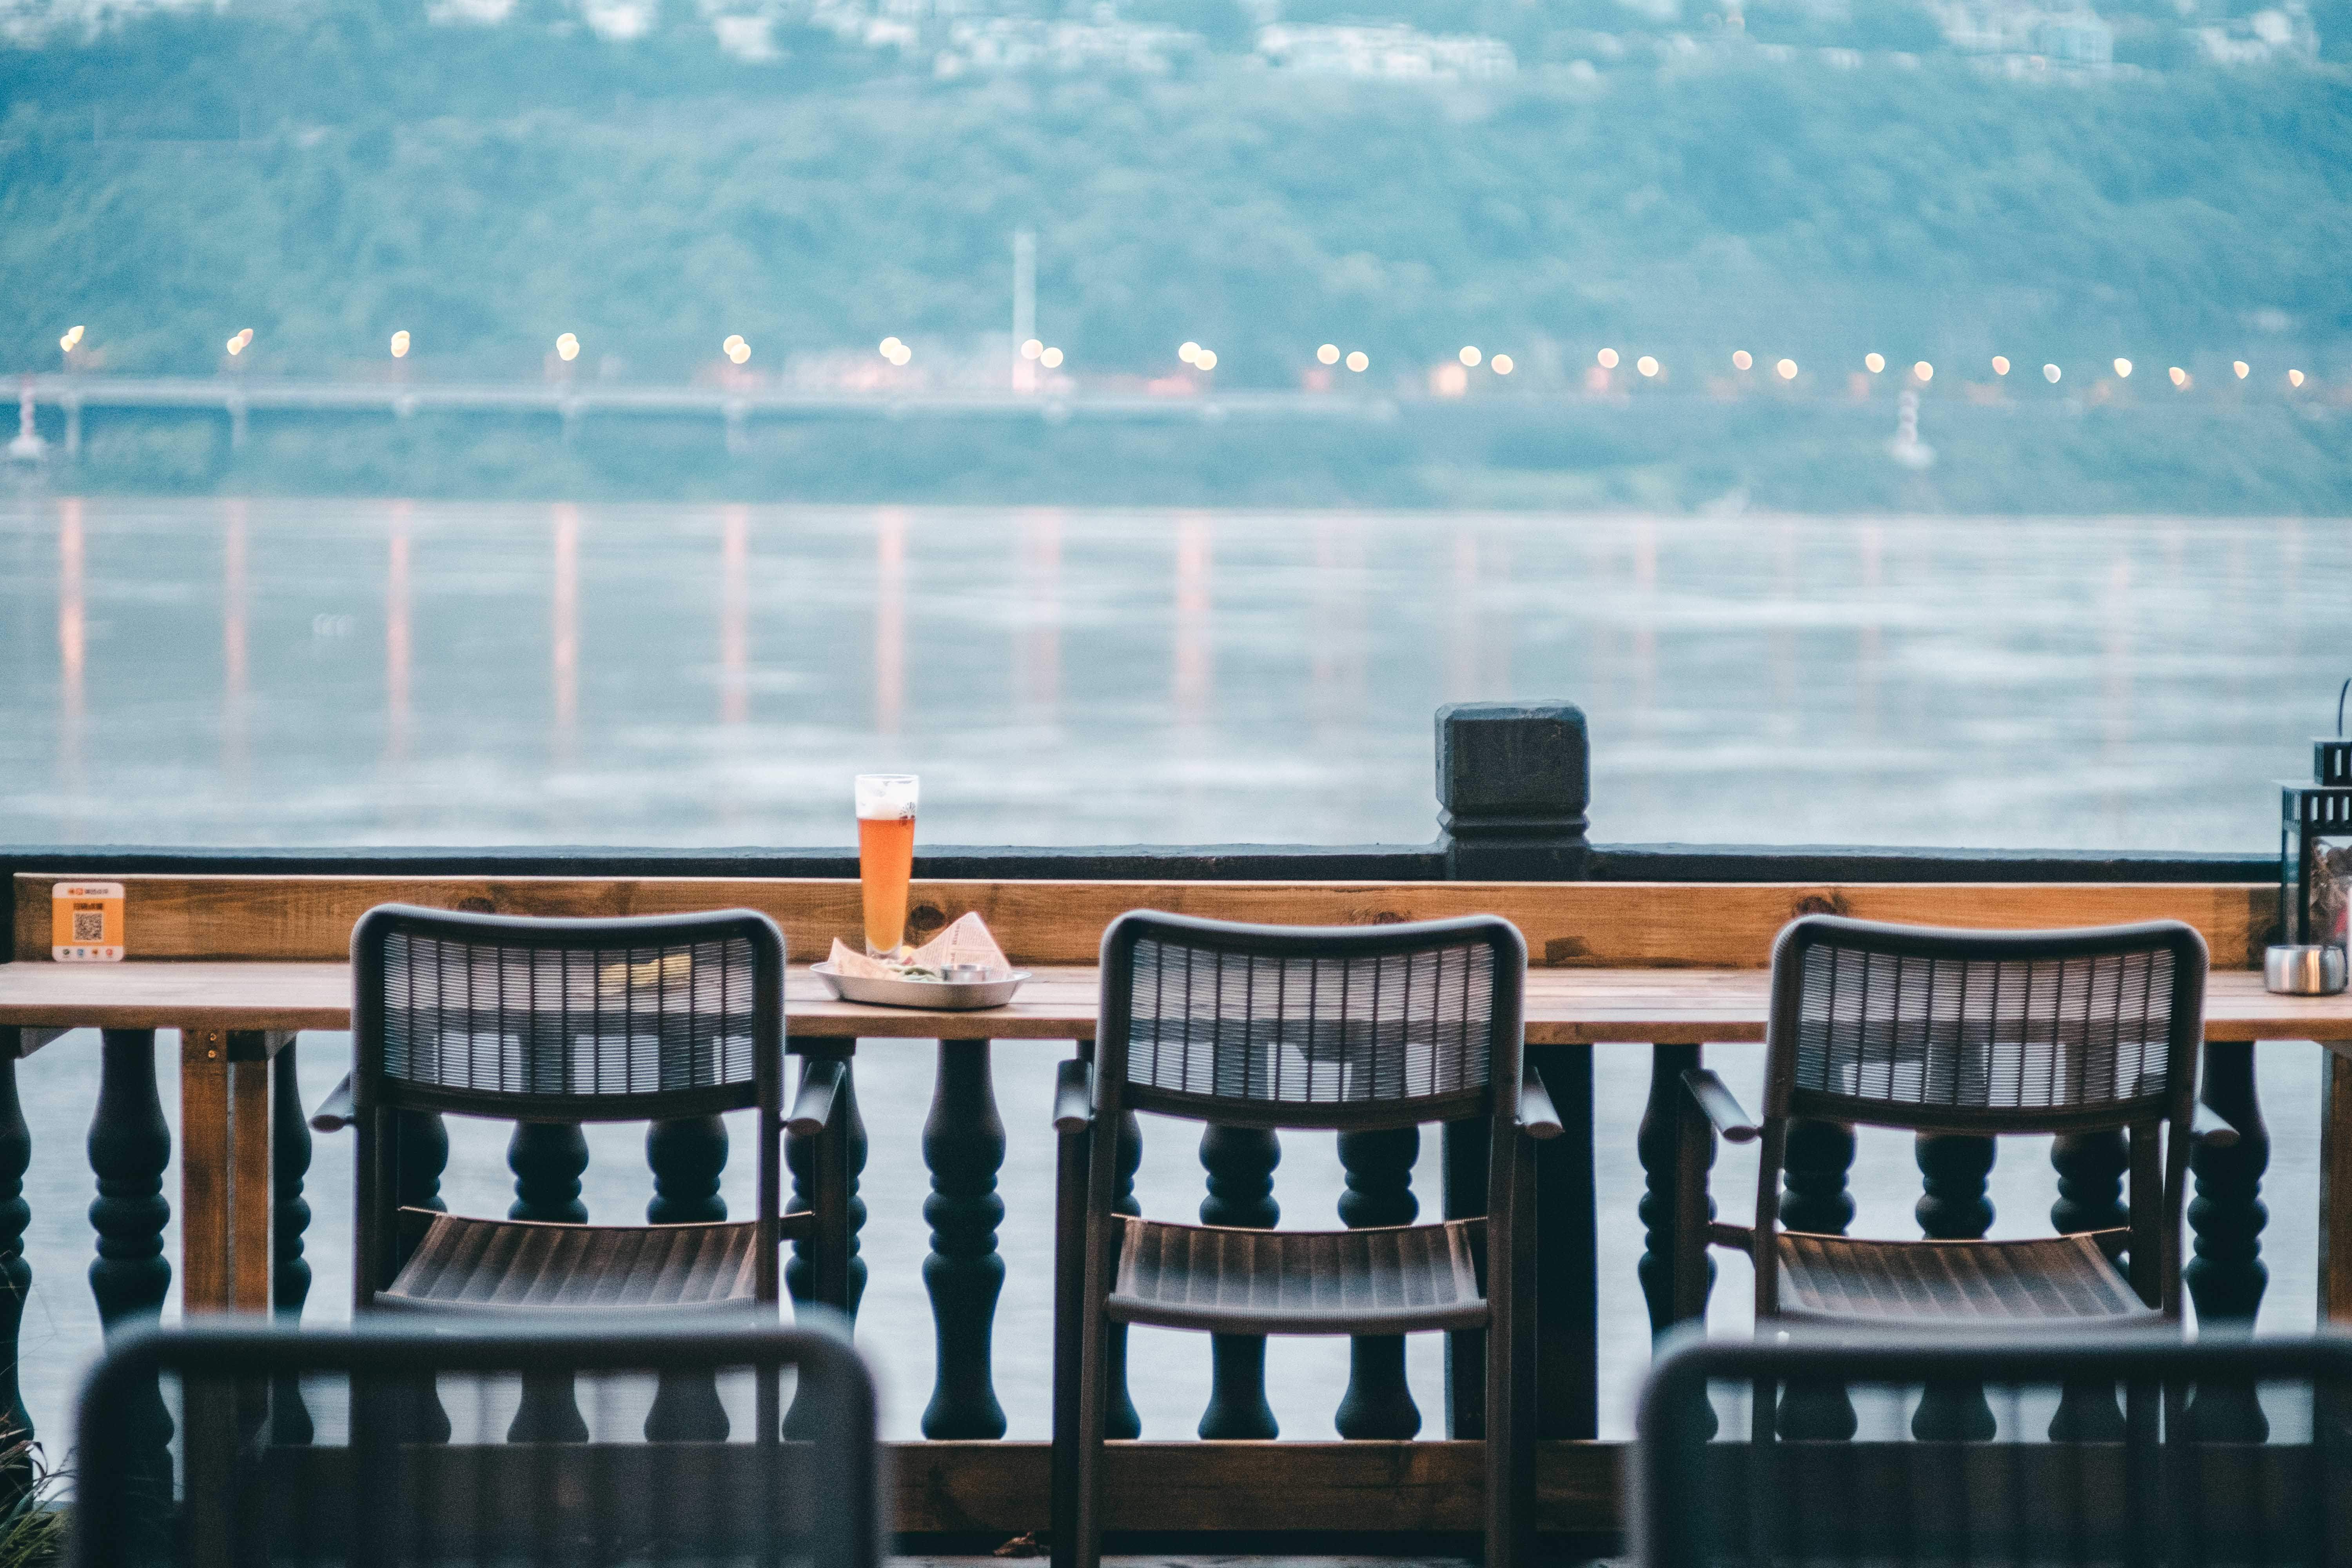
column 2315, row 844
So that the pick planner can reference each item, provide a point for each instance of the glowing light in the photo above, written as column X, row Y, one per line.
column 733, row 341
column 1741, row 359
column 1501, row 364
column 890, row 347
column 567, row 348
column 900, row 353
column 1328, row 353
column 1875, row 361
column 2241, row 367
column 400, row 345
column 1469, row 355
column 2050, row 374
column 236, row 345
column 1032, row 349
column 1924, row 370
column 2294, row 378
column 1205, row 360
column 2000, row 365
column 1646, row 366
column 1050, row 358
column 1787, row 369
column 1189, row 352
column 72, row 341
column 741, row 352
column 2123, row 369
column 1359, row 361
column 2179, row 376
column 1607, row 358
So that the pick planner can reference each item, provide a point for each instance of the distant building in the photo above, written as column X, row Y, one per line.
column 2266, row 37
column 2013, row 30
column 1388, row 53
column 1026, row 43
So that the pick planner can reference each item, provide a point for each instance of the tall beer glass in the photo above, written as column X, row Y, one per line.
column 885, row 855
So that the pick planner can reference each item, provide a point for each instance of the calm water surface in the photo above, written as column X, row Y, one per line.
column 338, row 672
column 276, row 672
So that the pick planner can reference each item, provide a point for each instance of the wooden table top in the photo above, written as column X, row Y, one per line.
column 1564, row 1007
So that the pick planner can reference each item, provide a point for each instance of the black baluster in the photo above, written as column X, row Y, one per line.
column 128, row 1146
column 1240, row 1161
column 290, row 1217
column 16, row 1215
column 1658, row 1145
column 424, row 1154
column 1120, row 1418
column 800, row 1156
column 1379, row 1192
column 1813, row 1198
column 2091, row 1167
column 964, row 1145
column 2227, row 1277
column 686, row 1155
column 1812, row 1177
column 1953, row 1207
column 546, row 1159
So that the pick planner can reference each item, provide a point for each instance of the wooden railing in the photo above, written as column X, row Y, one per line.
column 1524, row 846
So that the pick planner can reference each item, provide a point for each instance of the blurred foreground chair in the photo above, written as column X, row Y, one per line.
column 360, row 1495
column 1354, row 1029
column 2029, row 1495
column 1967, row 1032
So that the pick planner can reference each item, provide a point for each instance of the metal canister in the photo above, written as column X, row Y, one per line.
column 2314, row 969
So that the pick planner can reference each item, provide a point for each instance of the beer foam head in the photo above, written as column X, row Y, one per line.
column 881, row 796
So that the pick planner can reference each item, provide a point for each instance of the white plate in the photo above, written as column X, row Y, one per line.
column 940, row 996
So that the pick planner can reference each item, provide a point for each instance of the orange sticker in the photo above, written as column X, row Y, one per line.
column 86, row 922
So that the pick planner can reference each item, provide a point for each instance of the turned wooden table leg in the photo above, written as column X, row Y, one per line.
column 964, row 1145
column 1240, row 1161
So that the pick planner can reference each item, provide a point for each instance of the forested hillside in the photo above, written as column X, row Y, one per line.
column 332, row 179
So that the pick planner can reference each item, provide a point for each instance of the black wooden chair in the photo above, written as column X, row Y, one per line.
column 568, row 1021
column 1968, row 1032
column 347, row 1491
column 1356, row 1029
column 2031, row 1494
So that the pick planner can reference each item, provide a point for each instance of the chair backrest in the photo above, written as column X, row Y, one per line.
column 1351, row 1027
column 2122, row 1449
column 1984, row 1031
column 388, row 1444
column 580, row 1020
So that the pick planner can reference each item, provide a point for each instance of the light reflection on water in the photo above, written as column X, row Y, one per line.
column 278, row 672
column 272, row 672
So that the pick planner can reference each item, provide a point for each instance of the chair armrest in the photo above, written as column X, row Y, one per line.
column 1074, row 1097
column 336, row 1112
column 1537, row 1117
column 2212, row 1128
column 821, row 1081
column 1715, row 1098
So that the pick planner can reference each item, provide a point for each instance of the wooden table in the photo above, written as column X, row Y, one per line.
column 233, row 1017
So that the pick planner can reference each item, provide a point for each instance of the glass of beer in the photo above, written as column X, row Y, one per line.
column 885, row 856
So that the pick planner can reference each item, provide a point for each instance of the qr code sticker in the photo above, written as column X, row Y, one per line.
column 90, row 925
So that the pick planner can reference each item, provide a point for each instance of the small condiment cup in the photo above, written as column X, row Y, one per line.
column 974, row 973
column 2315, row 969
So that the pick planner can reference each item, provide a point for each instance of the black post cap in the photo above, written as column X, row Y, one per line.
column 1513, row 782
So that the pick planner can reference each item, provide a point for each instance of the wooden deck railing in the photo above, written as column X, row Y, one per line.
column 963, row 1479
